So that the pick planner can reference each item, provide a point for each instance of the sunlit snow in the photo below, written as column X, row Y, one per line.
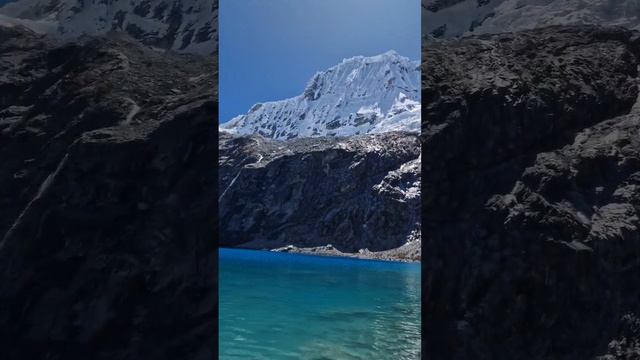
column 361, row 95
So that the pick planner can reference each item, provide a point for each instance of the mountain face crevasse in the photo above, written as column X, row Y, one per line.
column 361, row 95
column 531, row 210
column 107, row 230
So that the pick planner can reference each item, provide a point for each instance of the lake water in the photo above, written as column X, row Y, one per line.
column 277, row 306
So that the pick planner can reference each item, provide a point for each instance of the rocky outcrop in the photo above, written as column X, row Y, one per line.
column 182, row 25
column 530, row 209
column 455, row 18
column 108, row 193
column 353, row 193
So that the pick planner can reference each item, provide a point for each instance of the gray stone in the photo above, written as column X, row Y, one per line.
column 530, row 204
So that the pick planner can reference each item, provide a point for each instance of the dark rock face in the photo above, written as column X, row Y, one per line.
column 353, row 193
column 437, row 5
column 108, row 193
column 530, row 195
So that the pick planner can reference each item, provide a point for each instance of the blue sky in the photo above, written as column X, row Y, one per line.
column 269, row 49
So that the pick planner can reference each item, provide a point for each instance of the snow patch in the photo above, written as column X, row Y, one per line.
column 46, row 184
column 135, row 109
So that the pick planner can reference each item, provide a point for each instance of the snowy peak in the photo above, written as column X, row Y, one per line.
column 178, row 25
column 361, row 73
column 360, row 95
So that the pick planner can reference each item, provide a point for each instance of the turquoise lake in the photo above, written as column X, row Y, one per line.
column 277, row 306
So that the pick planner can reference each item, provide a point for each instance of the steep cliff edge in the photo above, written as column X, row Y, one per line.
column 530, row 209
column 108, row 193
column 354, row 193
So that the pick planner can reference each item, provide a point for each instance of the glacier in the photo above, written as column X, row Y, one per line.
column 361, row 95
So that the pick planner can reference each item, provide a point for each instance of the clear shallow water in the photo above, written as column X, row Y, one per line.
column 276, row 306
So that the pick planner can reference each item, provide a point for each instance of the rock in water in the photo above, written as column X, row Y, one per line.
column 107, row 223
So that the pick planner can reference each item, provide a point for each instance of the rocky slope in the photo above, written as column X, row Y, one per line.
column 108, row 193
column 335, row 170
column 530, row 206
column 354, row 193
column 453, row 18
column 361, row 95
column 183, row 25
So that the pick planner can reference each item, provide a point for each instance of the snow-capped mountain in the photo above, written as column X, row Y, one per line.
column 361, row 95
column 178, row 25
column 454, row 18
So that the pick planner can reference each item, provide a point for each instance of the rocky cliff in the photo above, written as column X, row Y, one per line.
column 353, row 193
column 454, row 18
column 181, row 26
column 108, row 193
column 531, row 163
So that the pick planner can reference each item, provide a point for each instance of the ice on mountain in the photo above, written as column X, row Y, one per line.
column 360, row 95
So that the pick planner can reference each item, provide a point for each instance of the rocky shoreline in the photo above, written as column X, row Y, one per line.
column 410, row 252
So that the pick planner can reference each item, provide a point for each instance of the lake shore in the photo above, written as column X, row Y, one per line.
column 410, row 252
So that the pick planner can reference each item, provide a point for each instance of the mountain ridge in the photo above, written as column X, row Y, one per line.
column 360, row 95
column 187, row 26
column 460, row 18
